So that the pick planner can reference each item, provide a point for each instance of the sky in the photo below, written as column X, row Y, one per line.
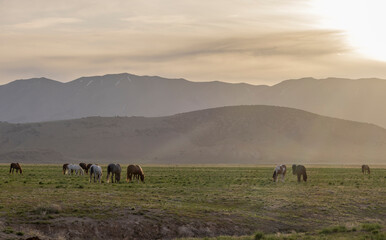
column 258, row 42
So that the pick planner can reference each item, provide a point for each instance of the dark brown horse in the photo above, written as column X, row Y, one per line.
column 114, row 170
column 135, row 171
column 65, row 168
column 88, row 167
column 17, row 167
column 84, row 167
column 365, row 168
column 299, row 170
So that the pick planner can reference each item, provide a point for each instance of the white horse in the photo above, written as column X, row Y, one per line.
column 97, row 171
column 280, row 169
column 74, row 168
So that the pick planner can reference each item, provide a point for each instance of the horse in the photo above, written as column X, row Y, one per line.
column 65, row 168
column 84, row 167
column 299, row 170
column 114, row 169
column 280, row 169
column 365, row 168
column 97, row 171
column 134, row 171
column 17, row 167
column 74, row 168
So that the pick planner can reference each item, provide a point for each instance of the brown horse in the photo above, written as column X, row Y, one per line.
column 84, row 167
column 365, row 168
column 65, row 168
column 135, row 171
column 299, row 170
column 17, row 167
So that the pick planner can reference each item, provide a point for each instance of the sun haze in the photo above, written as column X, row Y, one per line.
column 259, row 42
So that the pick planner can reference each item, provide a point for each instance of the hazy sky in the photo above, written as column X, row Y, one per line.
column 260, row 42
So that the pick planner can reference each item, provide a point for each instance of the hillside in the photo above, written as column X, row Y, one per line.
column 240, row 134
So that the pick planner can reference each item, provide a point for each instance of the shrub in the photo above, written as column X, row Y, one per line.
column 8, row 230
column 333, row 230
column 369, row 227
column 259, row 235
column 51, row 209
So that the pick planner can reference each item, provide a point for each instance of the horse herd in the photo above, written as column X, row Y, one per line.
column 300, row 171
column 136, row 172
column 113, row 171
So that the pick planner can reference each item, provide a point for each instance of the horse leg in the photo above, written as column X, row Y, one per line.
column 299, row 176
column 112, row 179
column 108, row 177
column 282, row 177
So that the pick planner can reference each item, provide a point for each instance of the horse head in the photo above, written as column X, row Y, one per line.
column 143, row 177
column 274, row 175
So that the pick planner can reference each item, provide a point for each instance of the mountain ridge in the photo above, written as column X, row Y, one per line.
column 124, row 94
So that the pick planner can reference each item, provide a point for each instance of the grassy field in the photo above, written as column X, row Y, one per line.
column 178, row 202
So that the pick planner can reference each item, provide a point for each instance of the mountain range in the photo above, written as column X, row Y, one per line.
column 237, row 134
column 42, row 99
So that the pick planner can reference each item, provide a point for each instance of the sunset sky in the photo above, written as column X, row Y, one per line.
column 259, row 42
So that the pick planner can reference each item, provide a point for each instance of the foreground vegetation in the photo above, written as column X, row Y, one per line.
column 197, row 201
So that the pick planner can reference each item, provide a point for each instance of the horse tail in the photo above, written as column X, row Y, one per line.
column 108, row 172
column 305, row 175
column 10, row 168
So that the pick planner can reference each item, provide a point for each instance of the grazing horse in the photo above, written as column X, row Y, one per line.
column 280, row 169
column 17, row 167
column 97, row 171
column 114, row 169
column 74, row 168
column 299, row 170
column 365, row 168
column 65, row 168
column 84, row 167
column 135, row 171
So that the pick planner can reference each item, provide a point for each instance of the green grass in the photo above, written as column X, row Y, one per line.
column 246, row 195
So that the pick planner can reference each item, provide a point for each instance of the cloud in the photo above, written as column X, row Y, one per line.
column 46, row 22
column 247, row 40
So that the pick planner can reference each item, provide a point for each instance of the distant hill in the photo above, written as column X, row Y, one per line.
column 240, row 134
column 41, row 99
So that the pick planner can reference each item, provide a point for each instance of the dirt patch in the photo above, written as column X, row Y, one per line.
column 152, row 225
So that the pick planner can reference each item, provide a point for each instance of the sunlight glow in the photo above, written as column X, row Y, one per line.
column 363, row 21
